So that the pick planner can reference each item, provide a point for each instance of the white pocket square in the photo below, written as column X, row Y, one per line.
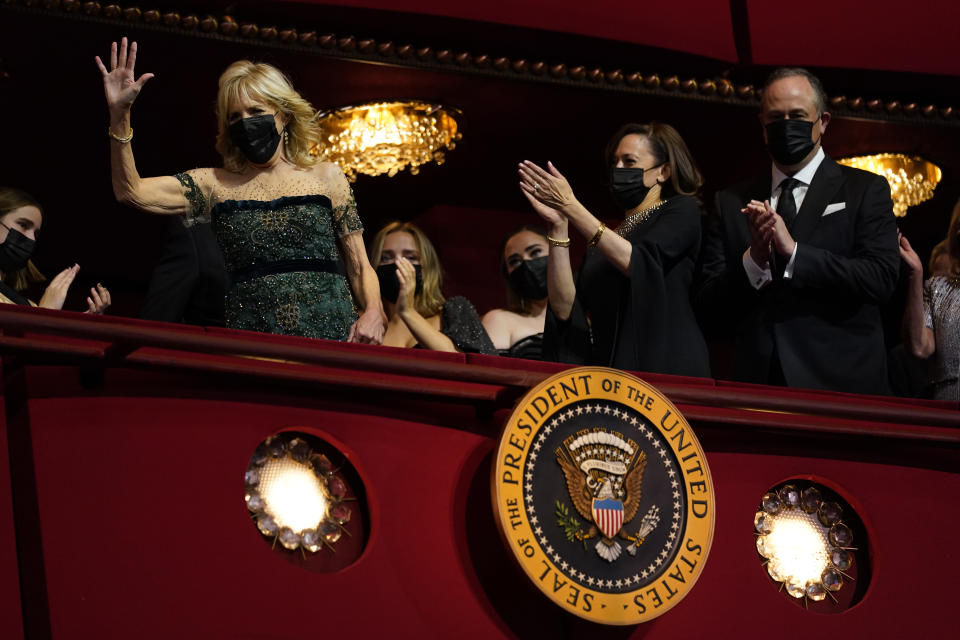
column 833, row 208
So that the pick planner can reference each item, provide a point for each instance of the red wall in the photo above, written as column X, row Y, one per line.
column 145, row 534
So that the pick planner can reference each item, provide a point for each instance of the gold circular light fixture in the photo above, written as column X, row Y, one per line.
column 912, row 179
column 804, row 542
column 387, row 137
column 295, row 495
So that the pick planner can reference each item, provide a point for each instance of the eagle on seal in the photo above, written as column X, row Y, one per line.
column 599, row 497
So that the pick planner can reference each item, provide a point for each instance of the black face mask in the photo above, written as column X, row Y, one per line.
column 788, row 141
column 529, row 279
column 390, row 284
column 627, row 188
column 16, row 250
column 256, row 137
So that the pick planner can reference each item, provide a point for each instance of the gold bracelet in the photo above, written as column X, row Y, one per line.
column 596, row 237
column 123, row 140
column 558, row 243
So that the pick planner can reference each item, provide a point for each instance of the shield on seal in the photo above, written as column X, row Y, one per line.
column 608, row 514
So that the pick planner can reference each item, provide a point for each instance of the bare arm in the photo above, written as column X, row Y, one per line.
column 920, row 338
column 154, row 195
column 371, row 324
column 552, row 189
column 561, row 289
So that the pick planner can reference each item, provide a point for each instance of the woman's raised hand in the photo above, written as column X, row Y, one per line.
column 548, row 187
column 120, row 84
column 549, row 215
column 909, row 256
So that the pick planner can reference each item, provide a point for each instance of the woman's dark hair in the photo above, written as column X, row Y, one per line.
column 10, row 200
column 514, row 302
column 667, row 146
column 939, row 250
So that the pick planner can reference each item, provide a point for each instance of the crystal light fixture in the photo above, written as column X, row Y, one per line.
column 804, row 543
column 294, row 494
column 912, row 179
column 387, row 137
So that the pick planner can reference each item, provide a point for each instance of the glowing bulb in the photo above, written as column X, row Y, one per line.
column 293, row 494
column 799, row 547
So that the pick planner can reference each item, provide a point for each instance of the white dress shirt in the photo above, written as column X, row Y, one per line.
column 760, row 275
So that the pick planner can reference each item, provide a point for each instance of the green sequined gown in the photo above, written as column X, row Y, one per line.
column 256, row 236
column 280, row 234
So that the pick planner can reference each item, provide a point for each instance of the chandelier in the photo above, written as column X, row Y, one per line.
column 912, row 179
column 387, row 137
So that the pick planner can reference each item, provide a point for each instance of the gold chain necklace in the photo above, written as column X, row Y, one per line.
column 635, row 220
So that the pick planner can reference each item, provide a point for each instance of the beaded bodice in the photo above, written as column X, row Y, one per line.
column 268, row 216
column 289, row 228
column 278, row 232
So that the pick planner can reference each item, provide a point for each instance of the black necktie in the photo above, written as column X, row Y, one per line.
column 786, row 209
column 786, row 205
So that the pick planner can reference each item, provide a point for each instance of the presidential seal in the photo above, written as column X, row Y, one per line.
column 603, row 494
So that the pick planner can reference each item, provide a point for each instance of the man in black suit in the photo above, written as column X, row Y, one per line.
column 800, row 261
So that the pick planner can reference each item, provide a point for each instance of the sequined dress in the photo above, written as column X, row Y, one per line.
column 941, row 306
column 286, row 273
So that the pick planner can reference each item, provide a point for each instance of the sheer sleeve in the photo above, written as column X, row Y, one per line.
column 346, row 220
column 197, row 189
column 463, row 326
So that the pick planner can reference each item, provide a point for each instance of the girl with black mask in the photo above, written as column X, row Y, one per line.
column 517, row 330
column 20, row 221
column 411, row 280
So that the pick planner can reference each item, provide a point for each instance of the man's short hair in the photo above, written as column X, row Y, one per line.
column 819, row 95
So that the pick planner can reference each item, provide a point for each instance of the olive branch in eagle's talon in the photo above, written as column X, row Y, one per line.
column 570, row 525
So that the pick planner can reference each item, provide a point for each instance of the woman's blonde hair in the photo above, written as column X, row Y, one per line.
column 265, row 83
column 430, row 300
column 10, row 200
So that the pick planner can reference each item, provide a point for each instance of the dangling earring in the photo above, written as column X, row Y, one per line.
column 286, row 137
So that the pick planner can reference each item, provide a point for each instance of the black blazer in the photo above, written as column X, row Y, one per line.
column 824, row 322
column 189, row 281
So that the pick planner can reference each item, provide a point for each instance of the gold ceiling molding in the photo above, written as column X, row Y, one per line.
column 409, row 55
